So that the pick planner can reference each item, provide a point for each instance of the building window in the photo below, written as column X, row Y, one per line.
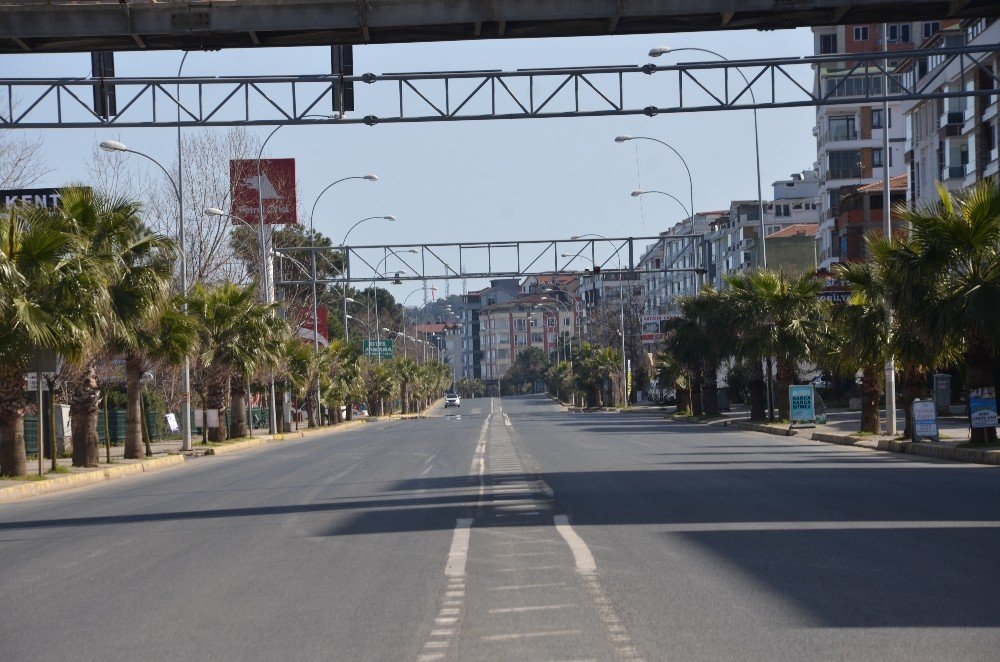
column 877, row 157
column 899, row 32
column 782, row 210
column 845, row 164
column 520, row 340
column 827, row 43
column 930, row 27
column 842, row 128
column 566, row 321
column 536, row 337
column 551, row 321
column 861, row 33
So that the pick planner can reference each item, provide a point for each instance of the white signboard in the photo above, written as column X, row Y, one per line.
column 925, row 423
column 213, row 418
column 172, row 424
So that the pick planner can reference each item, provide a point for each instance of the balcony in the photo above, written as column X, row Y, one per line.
column 838, row 135
column 953, row 172
column 843, row 173
column 952, row 117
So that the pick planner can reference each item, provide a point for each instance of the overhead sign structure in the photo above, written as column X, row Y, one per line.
column 925, row 423
column 275, row 186
column 983, row 407
column 802, row 399
column 378, row 348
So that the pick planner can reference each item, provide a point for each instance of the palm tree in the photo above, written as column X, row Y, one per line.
column 138, row 266
column 406, row 373
column 958, row 239
column 789, row 319
column 52, row 298
column 709, row 313
column 682, row 348
column 237, row 336
column 860, row 334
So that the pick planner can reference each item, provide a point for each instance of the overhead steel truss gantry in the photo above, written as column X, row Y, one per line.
column 614, row 257
column 488, row 95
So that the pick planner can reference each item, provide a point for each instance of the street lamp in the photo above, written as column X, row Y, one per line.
column 663, row 50
column 636, row 194
column 115, row 146
column 622, row 139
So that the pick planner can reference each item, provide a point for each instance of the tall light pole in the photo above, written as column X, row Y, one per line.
column 315, row 297
column 389, row 218
column 662, row 50
column 115, row 146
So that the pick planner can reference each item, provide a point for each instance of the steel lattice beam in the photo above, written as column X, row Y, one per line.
column 481, row 95
column 502, row 259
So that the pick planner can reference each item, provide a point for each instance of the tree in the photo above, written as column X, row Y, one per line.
column 137, row 264
column 528, row 367
column 471, row 388
column 20, row 161
column 53, row 297
column 787, row 321
column 958, row 239
column 237, row 336
column 559, row 378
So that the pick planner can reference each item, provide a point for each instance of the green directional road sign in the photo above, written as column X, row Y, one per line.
column 378, row 348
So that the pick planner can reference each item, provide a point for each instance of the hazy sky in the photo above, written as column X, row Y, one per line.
column 492, row 180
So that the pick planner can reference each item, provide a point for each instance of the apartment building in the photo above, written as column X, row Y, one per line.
column 850, row 150
column 530, row 320
column 685, row 257
column 953, row 141
column 469, row 311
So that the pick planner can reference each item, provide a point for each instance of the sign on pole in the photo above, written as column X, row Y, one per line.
column 802, row 400
column 983, row 407
column 925, row 424
column 378, row 348
column 275, row 186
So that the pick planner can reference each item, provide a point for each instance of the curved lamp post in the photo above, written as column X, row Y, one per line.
column 115, row 146
column 622, row 139
column 636, row 194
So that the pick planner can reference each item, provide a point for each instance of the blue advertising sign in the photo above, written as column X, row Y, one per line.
column 802, row 404
column 983, row 407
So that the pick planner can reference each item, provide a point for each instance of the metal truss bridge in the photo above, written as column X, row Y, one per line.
column 616, row 257
column 119, row 25
column 482, row 95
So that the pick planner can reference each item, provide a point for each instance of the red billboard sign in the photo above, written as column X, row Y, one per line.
column 307, row 325
column 275, row 186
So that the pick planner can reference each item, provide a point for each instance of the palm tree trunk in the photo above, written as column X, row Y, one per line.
column 710, row 390
column 238, row 395
column 13, row 460
column 979, row 374
column 785, row 377
column 870, row 394
column 133, row 408
column 85, row 401
column 215, row 398
column 914, row 383
column 697, row 406
column 758, row 393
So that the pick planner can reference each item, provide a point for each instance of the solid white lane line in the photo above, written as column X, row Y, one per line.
column 459, row 552
column 585, row 563
column 537, row 567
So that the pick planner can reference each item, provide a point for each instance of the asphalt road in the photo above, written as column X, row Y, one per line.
column 510, row 530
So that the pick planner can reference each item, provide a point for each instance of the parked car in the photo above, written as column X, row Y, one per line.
column 452, row 400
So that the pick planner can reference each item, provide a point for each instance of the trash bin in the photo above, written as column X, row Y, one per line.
column 942, row 392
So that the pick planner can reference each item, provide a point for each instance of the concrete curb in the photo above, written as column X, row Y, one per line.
column 59, row 483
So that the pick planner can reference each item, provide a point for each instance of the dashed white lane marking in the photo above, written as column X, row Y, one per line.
column 459, row 553
column 517, row 610
column 521, row 587
column 585, row 563
column 527, row 635
column 506, row 419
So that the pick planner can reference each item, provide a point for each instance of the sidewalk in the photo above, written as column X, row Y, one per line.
column 842, row 425
column 166, row 454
